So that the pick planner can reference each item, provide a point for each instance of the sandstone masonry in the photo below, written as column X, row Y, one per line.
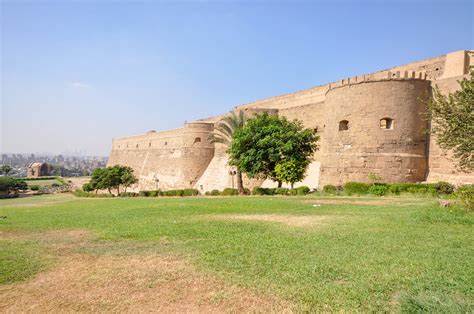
column 373, row 123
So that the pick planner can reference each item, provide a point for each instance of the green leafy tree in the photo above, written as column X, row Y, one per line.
column 291, row 171
column 87, row 187
column 96, row 182
column 266, row 141
column 111, row 178
column 6, row 169
column 452, row 119
column 9, row 185
column 127, row 178
column 224, row 132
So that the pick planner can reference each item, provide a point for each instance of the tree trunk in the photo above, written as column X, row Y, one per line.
column 279, row 184
column 125, row 189
column 240, row 183
column 292, row 184
column 118, row 190
column 110, row 192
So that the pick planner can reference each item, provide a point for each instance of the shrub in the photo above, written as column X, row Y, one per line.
column 229, row 192
column 444, row 188
column 395, row 189
column 282, row 191
column 215, row 193
column 144, row 193
column 190, row 192
column 466, row 195
column 128, row 194
column 418, row 188
column 356, row 188
column 55, row 185
column 173, row 193
column 263, row 191
column 378, row 189
column 34, row 187
column 330, row 189
column 154, row 193
column 301, row 190
column 81, row 193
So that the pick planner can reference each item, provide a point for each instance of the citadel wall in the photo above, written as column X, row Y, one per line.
column 166, row 160
column 386, row 133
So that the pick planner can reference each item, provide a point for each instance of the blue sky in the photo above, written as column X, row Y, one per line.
column 76, row 74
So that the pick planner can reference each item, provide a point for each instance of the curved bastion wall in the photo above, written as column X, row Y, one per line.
column 368, row 124
column 166, row 160
column 375, row 127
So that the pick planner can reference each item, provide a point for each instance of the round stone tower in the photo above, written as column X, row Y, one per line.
column 375, row 127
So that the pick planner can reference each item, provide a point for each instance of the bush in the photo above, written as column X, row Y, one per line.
column 55, row 185
column 330, row 189
column 358, row 188
column 466, row 195
column 229, row 192
column 9, row 184
column 42, row 178
column 215, row 193
column 395, row 189
column 81, row 193
column 173, row 193
column 302, row 190
column 190, row 192
column 128, row 194
column 378, row 189
column 34, row 187
column 418, row 188
column 263, row 191
column 282, row 191
column 444, row 188
column 144, row 193
column 154, row 193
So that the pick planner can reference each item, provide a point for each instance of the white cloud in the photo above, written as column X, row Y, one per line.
column 80, row 85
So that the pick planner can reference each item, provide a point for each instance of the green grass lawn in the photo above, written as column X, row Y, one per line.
column 43, row 183
column 378, row 254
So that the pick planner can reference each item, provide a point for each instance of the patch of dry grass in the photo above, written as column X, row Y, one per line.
column 131, row 283
column 289, row 220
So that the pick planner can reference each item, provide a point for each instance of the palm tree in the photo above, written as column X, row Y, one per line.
column 223, row 132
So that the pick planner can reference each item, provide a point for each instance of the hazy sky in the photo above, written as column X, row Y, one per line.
column 76, row 74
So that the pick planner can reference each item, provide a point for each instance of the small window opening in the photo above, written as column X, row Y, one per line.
column 149, row 144
column 343, row 125
column 315, row 130
column 136, row 146
column 197, row 140
column 166, row 143
column 386, row 124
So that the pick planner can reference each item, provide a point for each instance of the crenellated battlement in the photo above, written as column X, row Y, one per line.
column 376, row 77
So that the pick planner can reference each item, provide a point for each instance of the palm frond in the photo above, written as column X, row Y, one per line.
column 226, row 127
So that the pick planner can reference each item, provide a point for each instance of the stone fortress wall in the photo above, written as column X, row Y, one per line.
column 373, row 123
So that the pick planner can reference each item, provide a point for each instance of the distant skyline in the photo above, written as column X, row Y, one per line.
column 75, row 74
